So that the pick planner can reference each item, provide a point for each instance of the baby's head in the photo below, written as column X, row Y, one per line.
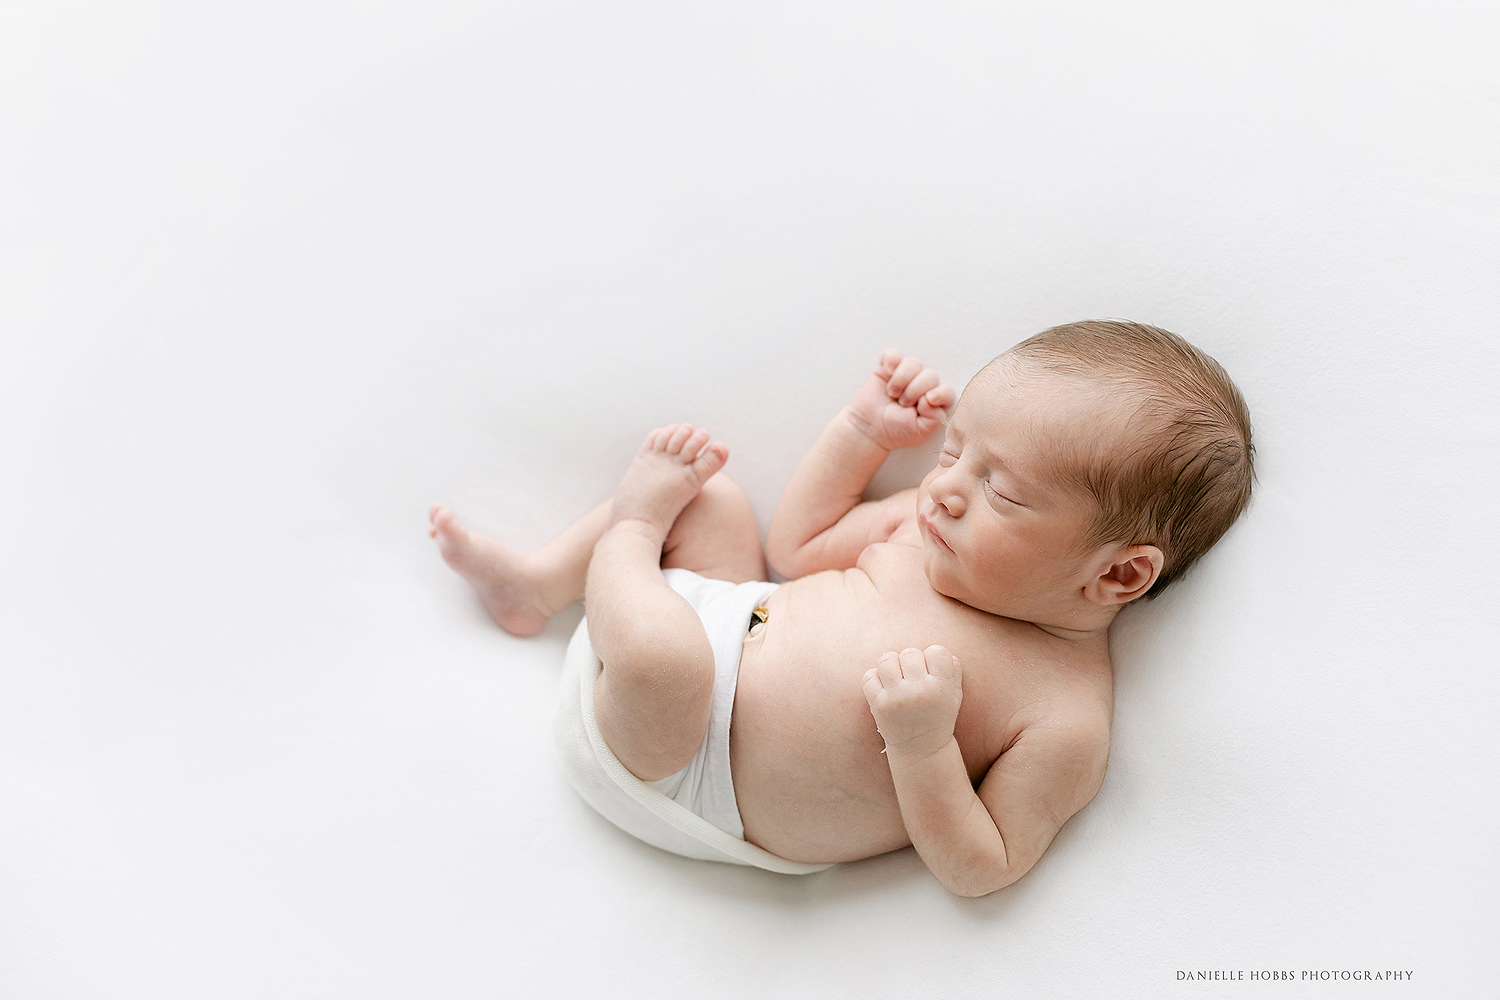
column 1082, row 469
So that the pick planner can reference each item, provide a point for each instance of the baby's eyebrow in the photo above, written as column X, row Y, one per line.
column 990, row 456
column 993, row 458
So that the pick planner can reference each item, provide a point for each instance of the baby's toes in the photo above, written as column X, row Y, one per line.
column 679, row 436
column 694, row 444
column 657, row 439
column 711, row 461
column 452, row 537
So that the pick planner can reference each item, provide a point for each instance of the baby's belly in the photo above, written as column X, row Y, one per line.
column 809, row 776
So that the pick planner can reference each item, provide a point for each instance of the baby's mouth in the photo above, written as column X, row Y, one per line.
column 926, row 522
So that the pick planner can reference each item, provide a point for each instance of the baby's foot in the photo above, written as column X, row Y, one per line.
column 508, row 582
column 667, row 473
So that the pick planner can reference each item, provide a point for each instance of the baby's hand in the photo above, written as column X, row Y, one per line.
column 914, row 697
column 901, row 403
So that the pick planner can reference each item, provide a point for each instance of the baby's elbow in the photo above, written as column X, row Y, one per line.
column 778, row 558
column 780, row 564
column 788, row 562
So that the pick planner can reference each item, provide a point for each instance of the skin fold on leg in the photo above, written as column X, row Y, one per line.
column 654, row 694
column 716, row 535
column 674, row 510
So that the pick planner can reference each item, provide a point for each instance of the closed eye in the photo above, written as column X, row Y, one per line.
column 1002, row 496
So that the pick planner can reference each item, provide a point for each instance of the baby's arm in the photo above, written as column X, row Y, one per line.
column 819, row 523
column 973, row 842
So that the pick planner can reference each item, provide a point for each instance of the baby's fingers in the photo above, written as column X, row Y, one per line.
column 936, row 401
column 941, row 663
column 872, row 686
column 889, row 359
column 907, row 370
column 888, row 670
column 912, row 665
column 918, row 387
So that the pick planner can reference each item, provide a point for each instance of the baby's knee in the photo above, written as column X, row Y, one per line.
column 722, row 500
column 720, row 488
column 717, row 535
column 719, row 498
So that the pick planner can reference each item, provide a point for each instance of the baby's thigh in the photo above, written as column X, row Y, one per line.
column 717, row 536
column 654, row 697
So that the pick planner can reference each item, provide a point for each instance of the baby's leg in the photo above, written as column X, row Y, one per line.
column 653, row 698
column 521, row 590
column 716, row 535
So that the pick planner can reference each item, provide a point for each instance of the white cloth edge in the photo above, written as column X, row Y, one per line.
column 736, row 851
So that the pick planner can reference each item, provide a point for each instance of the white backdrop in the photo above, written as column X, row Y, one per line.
column 273, row 278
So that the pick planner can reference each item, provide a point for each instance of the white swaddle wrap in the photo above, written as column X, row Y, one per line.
column 693, row 812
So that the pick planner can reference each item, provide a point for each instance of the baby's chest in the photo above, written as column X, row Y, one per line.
column 1008, row 671
column 897, row 592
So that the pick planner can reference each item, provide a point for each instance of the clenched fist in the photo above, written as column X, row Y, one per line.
column 914, row 696
column 901, row 403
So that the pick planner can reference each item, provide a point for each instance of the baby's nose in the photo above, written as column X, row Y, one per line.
column 946, row 496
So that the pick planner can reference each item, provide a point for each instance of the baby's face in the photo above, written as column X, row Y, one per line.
column 1001, row 531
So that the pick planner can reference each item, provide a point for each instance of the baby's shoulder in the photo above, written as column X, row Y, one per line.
column 1074, row 696
column 1016, row 687
column 1052, row 681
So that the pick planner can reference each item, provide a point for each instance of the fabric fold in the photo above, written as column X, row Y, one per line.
column 641, row 808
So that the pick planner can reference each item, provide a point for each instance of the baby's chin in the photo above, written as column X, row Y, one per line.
column 940, row 580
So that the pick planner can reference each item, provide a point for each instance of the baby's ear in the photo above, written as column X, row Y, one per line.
column 1127, row 573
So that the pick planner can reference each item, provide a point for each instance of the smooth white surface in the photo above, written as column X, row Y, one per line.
column 273, row 278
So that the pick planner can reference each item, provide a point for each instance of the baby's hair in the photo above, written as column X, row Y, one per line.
column 1189, row 478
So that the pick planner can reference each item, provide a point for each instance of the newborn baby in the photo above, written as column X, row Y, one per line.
column 936, row 670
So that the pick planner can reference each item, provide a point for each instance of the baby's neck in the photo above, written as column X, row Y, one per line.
column 1075, row 635
column 1087, row 629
